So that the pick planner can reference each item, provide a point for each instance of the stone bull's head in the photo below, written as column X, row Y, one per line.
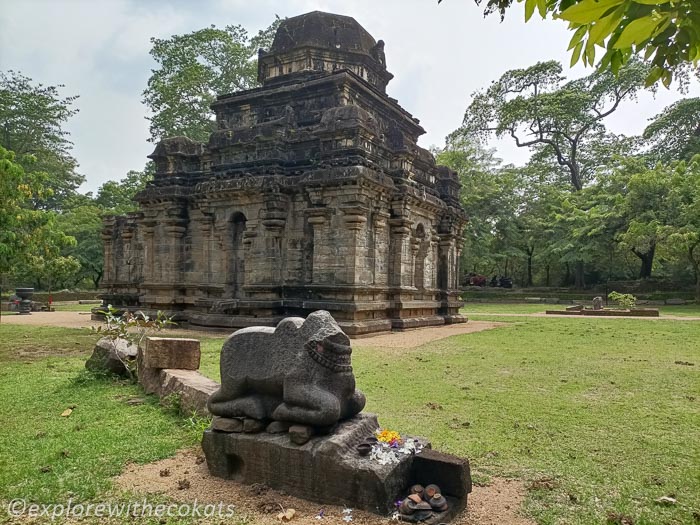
column 326, row 342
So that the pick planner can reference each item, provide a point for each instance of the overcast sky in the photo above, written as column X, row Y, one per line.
column 439, row 56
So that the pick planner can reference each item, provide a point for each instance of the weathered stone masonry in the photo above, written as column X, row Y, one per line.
column 311, row 194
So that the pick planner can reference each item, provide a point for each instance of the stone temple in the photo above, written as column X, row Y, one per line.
column 310, row 194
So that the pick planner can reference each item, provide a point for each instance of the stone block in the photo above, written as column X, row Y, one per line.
column 226, row 424
column 176, row 353
column 329, row 470
column 253, row 426
column 452, row 474
column 300, row 434
column 277, row 427
column 112, row 355
column 675, row 301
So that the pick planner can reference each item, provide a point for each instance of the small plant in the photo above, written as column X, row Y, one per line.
column 626, row 301
column 132, row 327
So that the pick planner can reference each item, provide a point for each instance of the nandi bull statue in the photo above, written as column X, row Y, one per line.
column 298, row 372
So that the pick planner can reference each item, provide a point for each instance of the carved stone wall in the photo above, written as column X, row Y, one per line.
column 310, row 194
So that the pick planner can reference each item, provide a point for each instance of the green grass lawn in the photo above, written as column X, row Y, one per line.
column 599, row 417
column 595, row 415
column 74, row 307
column 47, row 458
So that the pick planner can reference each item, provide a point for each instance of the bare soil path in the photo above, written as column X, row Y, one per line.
column 409, row 339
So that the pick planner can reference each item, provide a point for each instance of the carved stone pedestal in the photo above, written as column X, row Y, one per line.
column 328, row 469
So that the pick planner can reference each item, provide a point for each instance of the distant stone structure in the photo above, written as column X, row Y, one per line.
column 311, row 194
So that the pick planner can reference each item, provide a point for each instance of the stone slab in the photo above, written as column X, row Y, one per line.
column 328, row 469
column 180, row 353
column 192, row 387
column 675, row 301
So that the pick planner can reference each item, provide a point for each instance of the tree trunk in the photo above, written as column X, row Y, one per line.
column 529, row 269
column 647, row 259
column 579, row 276
column 547, row 274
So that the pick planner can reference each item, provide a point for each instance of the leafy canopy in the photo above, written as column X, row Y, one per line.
column 32, row 119
column 674, row 134
column 665, row 31
column 27, row 235
column 192, row 70
column 539, row 109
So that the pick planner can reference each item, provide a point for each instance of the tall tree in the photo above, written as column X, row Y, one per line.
column 118, row 197
column 32, row 120
column 537, row 108
column 540, row 110
column 192, row 70
column 26, row 234
column 683, row 231
column 667, row 31
column 674, row 134
column 84, row 223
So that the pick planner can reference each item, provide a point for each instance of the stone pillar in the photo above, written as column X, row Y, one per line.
column 205, row 224
column 107, row 235
column 415, row 249
column 434, row 257
column 127, row 236
column 446, row 263
column 171, row 270
column 458, row 260
column 319, row 220
column 401, row 259
column 354, row 248
column 381, row 248
column 273, row 219
column 149, row 259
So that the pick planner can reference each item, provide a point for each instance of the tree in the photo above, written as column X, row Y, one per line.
column 32, row 117
column 118, row 197
column 194, row 69
column 537, row 108
column 667, row 31
column 489, row 196
column 674, row 134
column 84, row 223
column 683, row 232
column 24, row 231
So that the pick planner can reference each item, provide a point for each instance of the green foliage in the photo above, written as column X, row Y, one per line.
column 118, row 197
column 43, row 373
column 131, row 327
column 192, row 70
column 626, row 301
column 665, row 31
column 84, row 224
column 538, row 108
column 674, row 134
column 32, row 117
column 28, row 237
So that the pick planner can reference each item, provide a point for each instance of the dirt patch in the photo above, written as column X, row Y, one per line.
column 185, row 478
column 420, row 336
